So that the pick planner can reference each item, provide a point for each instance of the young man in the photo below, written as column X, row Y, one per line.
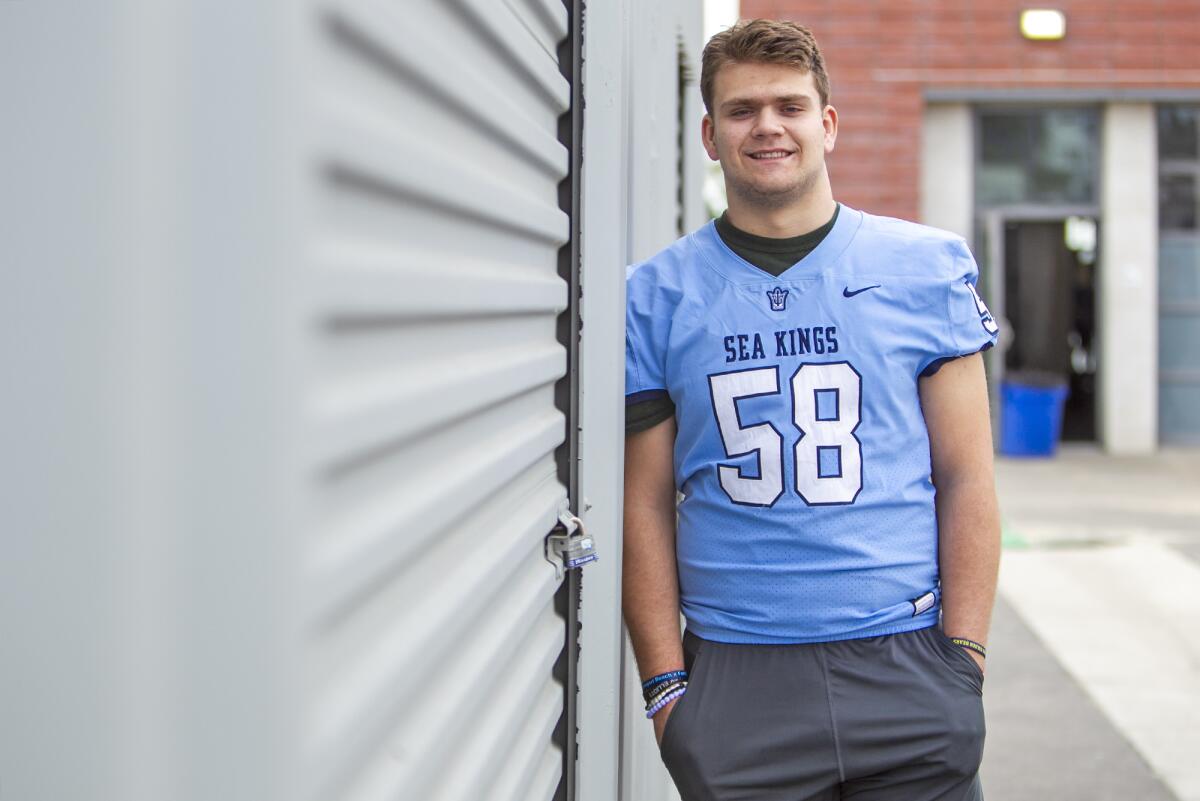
column 808, row 377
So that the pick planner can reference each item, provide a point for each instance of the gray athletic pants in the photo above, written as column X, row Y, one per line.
column 892, row 718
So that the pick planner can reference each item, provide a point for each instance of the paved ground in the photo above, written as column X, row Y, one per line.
column 1046, row 738
column 1093, row 687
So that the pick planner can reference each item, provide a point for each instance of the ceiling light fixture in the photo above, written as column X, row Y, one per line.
column 1043, row 24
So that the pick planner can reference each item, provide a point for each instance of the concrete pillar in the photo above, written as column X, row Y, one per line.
column 948, row 168
column 1128, row 324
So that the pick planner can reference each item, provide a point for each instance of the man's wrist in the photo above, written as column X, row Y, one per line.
column 971, row 645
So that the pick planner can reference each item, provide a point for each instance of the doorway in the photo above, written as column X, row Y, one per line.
column 1045, row 277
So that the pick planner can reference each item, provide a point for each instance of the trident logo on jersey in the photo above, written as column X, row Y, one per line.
column 778, row 298
column 985, row 316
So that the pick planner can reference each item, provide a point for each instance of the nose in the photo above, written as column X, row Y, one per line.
column 767, row 123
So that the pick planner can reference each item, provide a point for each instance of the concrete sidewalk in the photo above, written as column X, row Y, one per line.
column 1093, row 687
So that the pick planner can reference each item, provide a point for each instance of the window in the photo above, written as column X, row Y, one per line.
column 1178, row 137
column 1178, row 168
column 1037, row 156
column 1179, row 273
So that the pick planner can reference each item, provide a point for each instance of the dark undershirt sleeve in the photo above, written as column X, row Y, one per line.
column 645, row 413
column 929, row 370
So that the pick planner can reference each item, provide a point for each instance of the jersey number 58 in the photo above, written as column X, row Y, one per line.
column 826, row 409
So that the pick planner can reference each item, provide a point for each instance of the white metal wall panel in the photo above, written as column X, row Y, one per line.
column 602, row 410
column 280, row 439
column 149, row 643
column 435, row 232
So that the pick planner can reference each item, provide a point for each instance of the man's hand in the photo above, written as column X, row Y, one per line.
column 979, row 660
column 660, row 720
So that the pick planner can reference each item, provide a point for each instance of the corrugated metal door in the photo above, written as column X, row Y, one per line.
column 437, row 229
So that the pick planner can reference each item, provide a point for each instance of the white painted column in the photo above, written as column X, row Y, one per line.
column 948, row 168
column 1128, row 325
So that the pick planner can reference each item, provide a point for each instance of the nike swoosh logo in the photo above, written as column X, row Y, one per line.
column 846, row 293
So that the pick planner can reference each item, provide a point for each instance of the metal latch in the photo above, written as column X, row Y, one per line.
column 568, row 546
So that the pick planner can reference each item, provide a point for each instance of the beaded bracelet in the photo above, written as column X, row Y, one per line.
column 661, row 691
column 671, row 696
column 974, row 646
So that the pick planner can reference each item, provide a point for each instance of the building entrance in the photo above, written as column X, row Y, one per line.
column 1050, row 302
column 1036, row 195
column 1043, row 274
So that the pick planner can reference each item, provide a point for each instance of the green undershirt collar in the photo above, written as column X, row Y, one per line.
column 770, row 254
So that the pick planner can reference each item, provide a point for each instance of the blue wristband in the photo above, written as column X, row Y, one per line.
column 661, row 677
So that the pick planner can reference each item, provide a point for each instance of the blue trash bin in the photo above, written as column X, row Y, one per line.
column 1031, row 416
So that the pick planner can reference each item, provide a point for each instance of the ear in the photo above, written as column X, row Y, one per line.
column 708, row 136
column 829, row 119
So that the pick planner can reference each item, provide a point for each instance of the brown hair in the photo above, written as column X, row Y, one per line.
column 763, row 41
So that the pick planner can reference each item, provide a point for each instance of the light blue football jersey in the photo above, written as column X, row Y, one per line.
column 802, row 453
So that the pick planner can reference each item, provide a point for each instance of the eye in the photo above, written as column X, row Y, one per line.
column 740, row 113
column 792, row 109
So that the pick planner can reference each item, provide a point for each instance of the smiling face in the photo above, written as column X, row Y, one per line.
column 770, row 132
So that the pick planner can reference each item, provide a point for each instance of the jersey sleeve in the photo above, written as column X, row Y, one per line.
column 969, row 326
column 647, row 324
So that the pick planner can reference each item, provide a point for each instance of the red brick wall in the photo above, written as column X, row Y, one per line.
column 883, row 54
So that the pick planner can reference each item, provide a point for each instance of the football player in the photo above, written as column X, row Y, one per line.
column 806, row 377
